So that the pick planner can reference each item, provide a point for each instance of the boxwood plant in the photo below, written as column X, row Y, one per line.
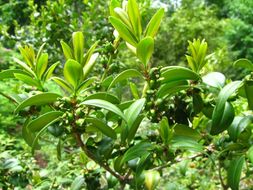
column 133, row 137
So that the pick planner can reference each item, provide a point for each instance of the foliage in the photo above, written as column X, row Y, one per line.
column 132, row 129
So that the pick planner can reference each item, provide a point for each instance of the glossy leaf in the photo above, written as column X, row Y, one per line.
column 220, row 114
column 38, row 135
column 184, row 130
column 154, row 23
column 103, row 127
column 26, row 79
column 248, row 86
column 132, row 131
column 125, row 75
column 38, row 123
column 234, row 172
column 85, row 84
column 134, row 110
column 89, row 65
column 62, row 83
column 78, row 45
column 122, row 15
column 214, row 79
column 67, row 51
column 24, row 66
column 72, row 72
column 226, row 117
column 182, row 142
column 238, row 125
column 134, row 90
column 145, row 49
column 165, row 131
column 89, row 54
column 123, row 31
column 27, row 135
column 136, row 151
column 178, row 73
column 105, row 105
column 50, row 70
column 135, row 17
column 250, row 154
column 39, row 99
column 7, row 74
column 113, row 5
column 40, row 51
column 104, row 96
column 41, row 65
column 244, row 63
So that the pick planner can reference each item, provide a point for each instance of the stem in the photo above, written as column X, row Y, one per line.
column 221, row 179
column 8, row 97
column 91, row 156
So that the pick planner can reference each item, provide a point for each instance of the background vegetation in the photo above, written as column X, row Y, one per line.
column 225, row 24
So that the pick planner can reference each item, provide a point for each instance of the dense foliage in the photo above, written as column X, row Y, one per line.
column 143, row 95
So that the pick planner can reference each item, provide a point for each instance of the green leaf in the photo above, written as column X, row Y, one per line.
column 24, row 66
column 113, row 5
column 38, row 135
column 172, row 87
column 178, row 73
column 58, row 148
column 6, row 74
column 142, row 164
column 28, row 54
column 182, row 142
column 105, row 105
column 72, row 72
column 184, row 130
column 134, row 90
column 224, row 121
column 123, row 30
column 135, row 17
column 38, row 99
column 250, row 154
column 38, row 123
column 214, row 79
column 238, row 125
column 248, row 86
column 50, row 71
column 89, row 65
column 40, row 51
column 133, row 111
column 78, row 183
column 165, row 131
column 132, row 131
column 145, row 49
column 103, row 127
column 26, row 133
column 136, row 151
column 78, row 45
column 244, row 63
column 27, row 79
column 234, row 172
column 223, row 112
column 68, row 53
column 122, row 15
column 104, row 96
column 85, row 84
column 154, row 23
column 62, row 83
column 41, row 65
column 125, row 75
column 89, row 54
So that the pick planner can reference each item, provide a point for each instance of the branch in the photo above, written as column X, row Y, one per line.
column 91, row 156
